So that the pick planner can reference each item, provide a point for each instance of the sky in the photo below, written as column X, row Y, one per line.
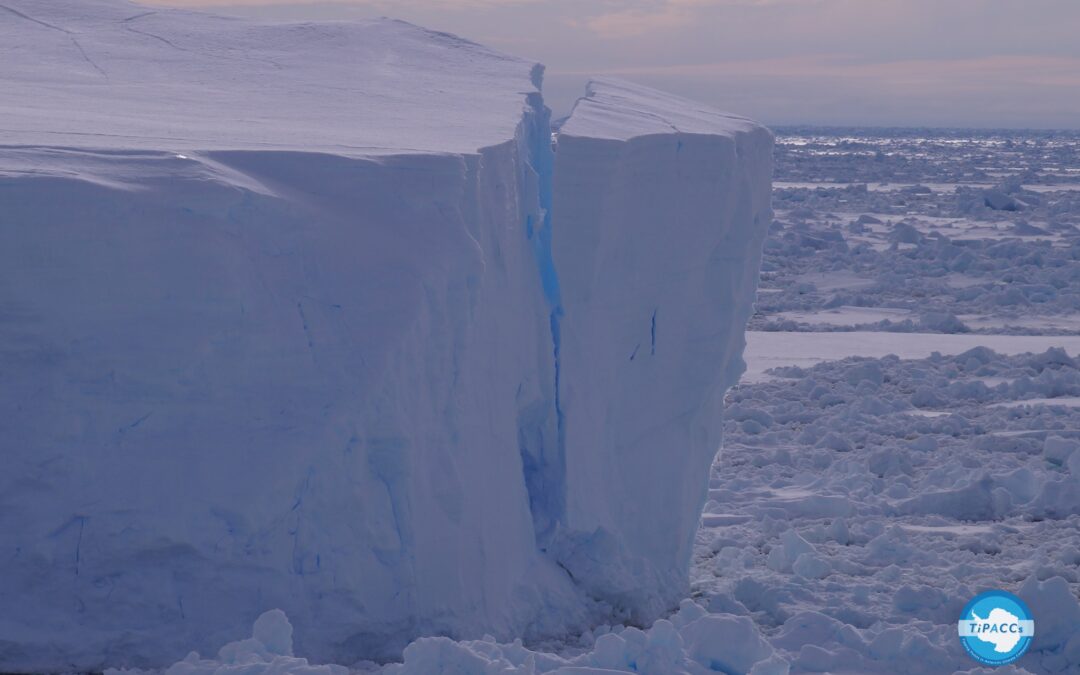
column 954, row 63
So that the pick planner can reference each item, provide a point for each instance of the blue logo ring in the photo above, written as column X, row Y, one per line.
column 996, row 628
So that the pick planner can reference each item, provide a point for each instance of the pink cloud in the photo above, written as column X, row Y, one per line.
column 633, row 22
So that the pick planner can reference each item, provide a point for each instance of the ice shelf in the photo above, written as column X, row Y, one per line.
column 312, row 317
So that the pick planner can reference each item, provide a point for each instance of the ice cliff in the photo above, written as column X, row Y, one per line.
column 312, row 317
column 661, row 207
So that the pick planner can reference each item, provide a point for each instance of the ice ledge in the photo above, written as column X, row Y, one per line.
column 620, row 110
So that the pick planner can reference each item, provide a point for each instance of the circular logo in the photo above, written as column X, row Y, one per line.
column 996, row 628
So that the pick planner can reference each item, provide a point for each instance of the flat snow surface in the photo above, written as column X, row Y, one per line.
column 620, row 110
column 116, row 75
column 766, row 350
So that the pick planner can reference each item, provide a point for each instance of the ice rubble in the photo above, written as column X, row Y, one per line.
column 692, row 642
column 859, row 557
column 282, row 332
column 934, row 466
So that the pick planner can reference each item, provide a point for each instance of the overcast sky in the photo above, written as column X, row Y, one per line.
column 1005, row 63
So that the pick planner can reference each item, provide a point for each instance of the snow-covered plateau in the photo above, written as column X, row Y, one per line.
column 311, row 319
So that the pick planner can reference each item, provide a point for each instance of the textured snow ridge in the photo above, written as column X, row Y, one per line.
column 310, row 317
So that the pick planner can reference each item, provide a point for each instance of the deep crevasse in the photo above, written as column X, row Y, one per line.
column 329, row 367
column 544, row 462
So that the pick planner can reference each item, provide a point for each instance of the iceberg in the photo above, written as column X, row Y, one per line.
column 661, row 207
column 313, row 317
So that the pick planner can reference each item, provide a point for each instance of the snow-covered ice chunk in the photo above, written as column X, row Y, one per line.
column 811, row 566
column 791, row 548
column 267, row 652
column 726, row 644
column 1057, row 450
column 1000, row 201
column 1058, row 625
column 692, row 642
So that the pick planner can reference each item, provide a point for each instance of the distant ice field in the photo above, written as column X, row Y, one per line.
column 765, row 350
column 936, row 187
column 907, row 431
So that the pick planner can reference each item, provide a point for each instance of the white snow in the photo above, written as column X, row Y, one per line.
column 309, row 317
column 110, row 74
column 268, row 650
column 847, row 315
column 1070, row 401
column 622, row 111
column 766, row 350
column 691, row 642
column 859, row 557
column 916, row 479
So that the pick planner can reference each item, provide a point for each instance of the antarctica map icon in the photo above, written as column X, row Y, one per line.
column 996, row 628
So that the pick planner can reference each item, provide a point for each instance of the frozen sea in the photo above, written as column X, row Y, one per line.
column 905, row 435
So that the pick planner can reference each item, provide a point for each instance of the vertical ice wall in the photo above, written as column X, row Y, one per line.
column 220, row 399
column 660, row 209
column 272, row 334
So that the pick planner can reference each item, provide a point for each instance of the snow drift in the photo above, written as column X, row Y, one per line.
column 311, row 317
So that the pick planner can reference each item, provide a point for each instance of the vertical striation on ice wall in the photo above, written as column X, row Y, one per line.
column 661, row 206
column 278, row 331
